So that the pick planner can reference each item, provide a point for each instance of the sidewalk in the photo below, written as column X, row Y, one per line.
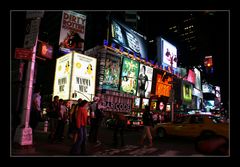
column 42, row 147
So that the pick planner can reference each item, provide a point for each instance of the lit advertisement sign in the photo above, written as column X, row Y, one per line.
column 137, row 102
column 163, row 88
column 145, row 102
column 218, row 95
column 44, row 50
column 72, row 32
column 167, row 53
column 206, row 88
column 197, row 93
column 83, row 77
column 112, row 72
column 168, row 108
column 208, row 61
column 62, row 77
column 198, row 79
column 209, row 104
column 187, row 92
column 145, row 81
column 129, row 76
column 191, row 76
column 128, row 38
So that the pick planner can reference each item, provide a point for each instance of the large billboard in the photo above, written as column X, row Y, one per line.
column 128, row 38
column 163, row 87
column 72, row 32
column 166, row 53
column 191, row 76
column 75, row 77
column 144, row 81
column 112, row 72
column 63, row 77
column 186, row 92
column 83, row 77
column 198, row 79
column 129, row 76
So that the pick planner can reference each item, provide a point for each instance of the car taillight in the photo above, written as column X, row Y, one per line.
column 128, row 122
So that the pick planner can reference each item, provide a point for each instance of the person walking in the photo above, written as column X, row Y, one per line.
column 79, row 147
column 120, row 125
column 148, row 123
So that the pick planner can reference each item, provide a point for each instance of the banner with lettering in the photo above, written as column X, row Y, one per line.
column 83, row 77
column 72, row 32
column 62, row 77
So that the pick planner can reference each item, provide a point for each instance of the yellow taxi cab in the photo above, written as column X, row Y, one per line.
column 192, row 126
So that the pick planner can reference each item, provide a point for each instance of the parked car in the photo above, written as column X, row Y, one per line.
column 193, row 126
column 133, row 122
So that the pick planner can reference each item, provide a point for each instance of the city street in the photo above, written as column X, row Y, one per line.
column 165, row 147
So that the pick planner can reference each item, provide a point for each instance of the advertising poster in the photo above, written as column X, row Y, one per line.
column 187, row 92
column 112, row 72
column 137, row 102
column 163, row 88
column 129, row 76
column 84, row 76
column 145, row 102
column 198, row 79
column 72, row 32
column 145, row 81
column 62, row 77
column 167, row 53
column 191, row 76
column 128, row 38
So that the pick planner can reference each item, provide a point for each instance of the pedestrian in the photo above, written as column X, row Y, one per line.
column 148, row 124
column 52, row 113
column 96, row 116
column 120, row 122
column 79, row 147
column 35, row 115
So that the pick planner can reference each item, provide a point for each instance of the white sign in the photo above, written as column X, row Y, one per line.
column 198, row 79
column 197, row 93
column 169, row 54
column 62, row 77
column 72, row 32
column 83, row 78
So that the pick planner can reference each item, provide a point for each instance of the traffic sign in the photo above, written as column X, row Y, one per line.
column 22, row 53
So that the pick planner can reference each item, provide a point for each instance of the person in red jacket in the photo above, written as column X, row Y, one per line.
column 79, row 147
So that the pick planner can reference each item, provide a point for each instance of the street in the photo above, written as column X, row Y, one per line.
column 164, row 147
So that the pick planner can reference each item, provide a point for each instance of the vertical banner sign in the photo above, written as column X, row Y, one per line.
column 145, row 81
column 84, row 76
column 129, row 76
column 62, row 77
column 72, row 32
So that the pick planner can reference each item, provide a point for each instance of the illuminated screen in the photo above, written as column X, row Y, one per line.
column 145, row 81
column 168, row 107
column 208, row 61
column 209, row 104
column 191, row 76
column 145, row 102
column 163, row 88
column 62, row 77
column 198, row 79
column 83, row 78
column 129, row 76
column 187, row 93
column 166, row 53
column 137, row 103
column 153, row 105
column 112, row 72
column 128, row 38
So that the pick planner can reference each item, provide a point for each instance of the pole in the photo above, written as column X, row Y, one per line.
column 23, row 135
column 172, row 94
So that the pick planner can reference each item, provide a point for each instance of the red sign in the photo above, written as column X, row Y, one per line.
column 45, row 50
column 21, row 53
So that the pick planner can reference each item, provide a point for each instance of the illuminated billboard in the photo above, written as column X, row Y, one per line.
column 186, row 92
column 128, row 38
column 207, row 88
column 163, row 87
column 145, row 102
column 208, row 61
column 144, row 81
column 191, row 76
column 72, row 32
column 129, row 76
column 198, row 79
column 75, row 74
column 63, row 77
column 166, row 53
column 137, row 102
column 83, row 77
column 112, row 72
